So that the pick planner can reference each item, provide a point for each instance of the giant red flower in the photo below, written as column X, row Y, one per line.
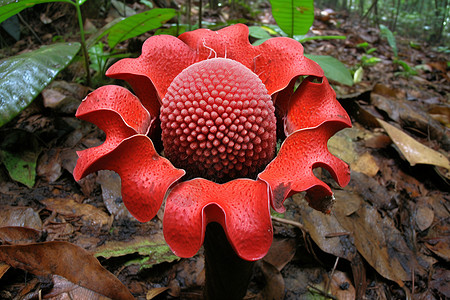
column 216, row 107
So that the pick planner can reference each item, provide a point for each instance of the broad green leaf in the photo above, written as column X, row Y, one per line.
column 9, row 8
column 19, row 152
column 258, row 32
column 24, row 76
column 386, row 32
column 138, row 24
column 333, row 68
column 294, row 17
column 303, row 39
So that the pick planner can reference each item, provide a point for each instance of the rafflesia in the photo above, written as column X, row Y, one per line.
column 215, row 129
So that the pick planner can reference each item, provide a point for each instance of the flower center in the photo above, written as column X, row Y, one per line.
column 218, row 121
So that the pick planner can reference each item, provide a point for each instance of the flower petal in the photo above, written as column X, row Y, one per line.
column 241, row 206
column 312, row 104
column 145, row 175
column 291, row 171
column 276, row 61
column 162, row 58
column 115, row 111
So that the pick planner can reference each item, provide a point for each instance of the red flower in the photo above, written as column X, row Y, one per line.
column 218, row 101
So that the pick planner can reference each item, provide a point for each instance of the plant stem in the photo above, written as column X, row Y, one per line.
column 227, row 275
column 83, row 44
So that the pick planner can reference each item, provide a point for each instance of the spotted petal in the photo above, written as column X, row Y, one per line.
column 241, row 206
column 163, row 57
column 145, row 175
column 277, row 61
column 292, row 170
column 115, row 111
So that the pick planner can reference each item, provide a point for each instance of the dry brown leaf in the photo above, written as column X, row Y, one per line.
column 66, row 260
column 20, row 216
column 274, row 287
column 3, row 268
column 66, row 290
column 342, row 287
column 365, row 164
column 412, row 150
column 280, row 253
column 378, row 240
column 18, row 235
column 90, row 215
column 155, row 292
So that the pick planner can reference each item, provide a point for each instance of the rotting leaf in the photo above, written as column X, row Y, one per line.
column 274, row 287
column 66, row 260
column 280, row 253
column 154, row 248
column 64, row 289
column 18, row 235
column 412, row 150
column 19, row 216
column 378, row 240
column 90, row 215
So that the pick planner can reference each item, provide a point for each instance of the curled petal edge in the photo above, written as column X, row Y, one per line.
column 145, row 175
column 313, row 104
column 276, row 61
column 241, row 207
column 292, row 169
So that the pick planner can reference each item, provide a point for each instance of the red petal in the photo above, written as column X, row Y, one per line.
column 162, row 58
column 291, row 171
column 145, row 175
column 115, row 111
column 276, row 61
column 241, row 206
column 312, row 104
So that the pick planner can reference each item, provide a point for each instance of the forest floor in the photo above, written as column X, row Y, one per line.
column 388, row 236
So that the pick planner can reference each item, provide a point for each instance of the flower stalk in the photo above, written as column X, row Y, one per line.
column 227, row 275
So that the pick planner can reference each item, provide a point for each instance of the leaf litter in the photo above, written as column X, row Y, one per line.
column 386, row 238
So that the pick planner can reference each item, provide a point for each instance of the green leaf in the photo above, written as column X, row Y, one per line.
column 258, row 32
column 24, row 76
column 9, row 8
column 19, row 153
column 333, row 68
column 294, row 17
column 387, row 33
column 303, row 39
column 138, row 24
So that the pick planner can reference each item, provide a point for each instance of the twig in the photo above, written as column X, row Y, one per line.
column 29, row 27
column 322, row 293
column 290, row 222
column 327, row 288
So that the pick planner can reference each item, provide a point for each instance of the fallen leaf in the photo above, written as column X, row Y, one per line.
column 153, row 247
column 20, row 217
column 378, row 240
column 365, row 164
column 280, row 253
column 90, row 215
column 64, row 289
column 424, row 217
column 66, row 260
column 18, row 235
column 274, row 286
column 342, row 287
column 155, row 292
column 413, row 151
column 49, row 165
column 112, row 195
